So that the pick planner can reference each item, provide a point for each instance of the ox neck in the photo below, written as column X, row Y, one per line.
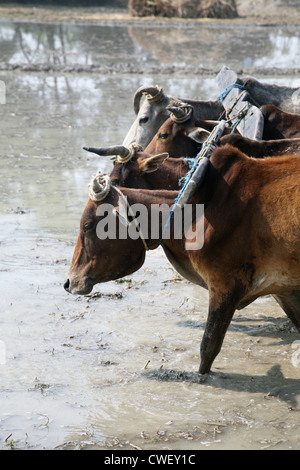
column 160, row 223
column 128, row 207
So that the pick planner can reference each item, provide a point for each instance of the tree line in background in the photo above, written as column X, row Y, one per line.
column 162, row 8
column 184, row 8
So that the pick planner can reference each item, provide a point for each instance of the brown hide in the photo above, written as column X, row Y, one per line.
column 279, row 124
column 173, row 138
column 251, row 241
column 262, row 148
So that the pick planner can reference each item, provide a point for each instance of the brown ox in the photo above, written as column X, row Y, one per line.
column 173, row 135
column 279, row 124
column 253, row 148
column 251, row 240
column 183, row 139
column 145, row 171
column 139, row 169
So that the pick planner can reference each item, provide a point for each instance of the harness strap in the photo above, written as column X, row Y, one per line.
column 199, row 168
column 224, row 93
column 187, row 179
column 240, row 115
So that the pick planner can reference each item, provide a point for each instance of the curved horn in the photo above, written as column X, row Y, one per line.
column 108, row 151
column 99, row 187
column 95, row 186
column 154, row 94
column 176, row 112
column 124, row 154
column 180, row 112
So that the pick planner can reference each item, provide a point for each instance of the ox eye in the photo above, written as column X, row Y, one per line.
column 88, row 226
column 143, row 120
column 163, row 136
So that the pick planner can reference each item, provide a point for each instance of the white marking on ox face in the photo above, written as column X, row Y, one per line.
column 147, row 122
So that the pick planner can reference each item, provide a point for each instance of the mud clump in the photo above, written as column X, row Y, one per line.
column 184, row 8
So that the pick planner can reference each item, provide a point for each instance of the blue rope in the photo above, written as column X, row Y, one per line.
column 224, row 93
column 193, row 165
column 235, row 126
column 192, row 162
column 242, row 115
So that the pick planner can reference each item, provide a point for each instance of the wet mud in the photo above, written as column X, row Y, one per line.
column 118, row 369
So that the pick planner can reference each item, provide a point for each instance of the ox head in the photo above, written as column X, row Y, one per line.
column 132, row 165
column 173, row 135
column 149, row 115
column 182, row 135
column 101, row 254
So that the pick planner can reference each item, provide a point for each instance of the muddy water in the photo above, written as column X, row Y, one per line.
column 116, row 369
column 183, row 47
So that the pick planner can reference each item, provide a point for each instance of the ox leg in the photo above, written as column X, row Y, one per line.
column 219, row 317
column 290, row 303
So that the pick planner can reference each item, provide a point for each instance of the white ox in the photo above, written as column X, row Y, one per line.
column 152, row 113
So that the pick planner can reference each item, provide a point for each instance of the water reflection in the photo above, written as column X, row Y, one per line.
column 284, row 51
column 74, row 366
column 140, row 48
column 46, row 121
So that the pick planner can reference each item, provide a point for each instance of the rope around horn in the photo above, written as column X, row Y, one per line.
column 132, row 149
column 99, row 187
column 103, row 182
column 188, row 111
column 156, row 98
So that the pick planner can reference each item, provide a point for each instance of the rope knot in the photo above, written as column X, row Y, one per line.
column 99, row 187
column 132, row 149
column 224, row 93
column 156, row 98
column 180, row 112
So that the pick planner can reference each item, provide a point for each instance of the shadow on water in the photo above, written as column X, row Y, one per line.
column 273, row 384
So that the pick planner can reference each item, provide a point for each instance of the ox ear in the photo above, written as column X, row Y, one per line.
column 199, row 134
column 150, row 164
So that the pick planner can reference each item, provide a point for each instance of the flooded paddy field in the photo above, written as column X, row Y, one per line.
column 118, row 369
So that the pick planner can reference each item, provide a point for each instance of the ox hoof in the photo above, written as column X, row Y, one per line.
column 202, row 377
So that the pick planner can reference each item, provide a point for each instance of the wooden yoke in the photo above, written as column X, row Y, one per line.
column 244, row 116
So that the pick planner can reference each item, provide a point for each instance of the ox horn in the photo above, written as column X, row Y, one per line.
column 180, row 112
column 99, row 187
column 124, row 154
column 154, row 94
column 108, row 151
